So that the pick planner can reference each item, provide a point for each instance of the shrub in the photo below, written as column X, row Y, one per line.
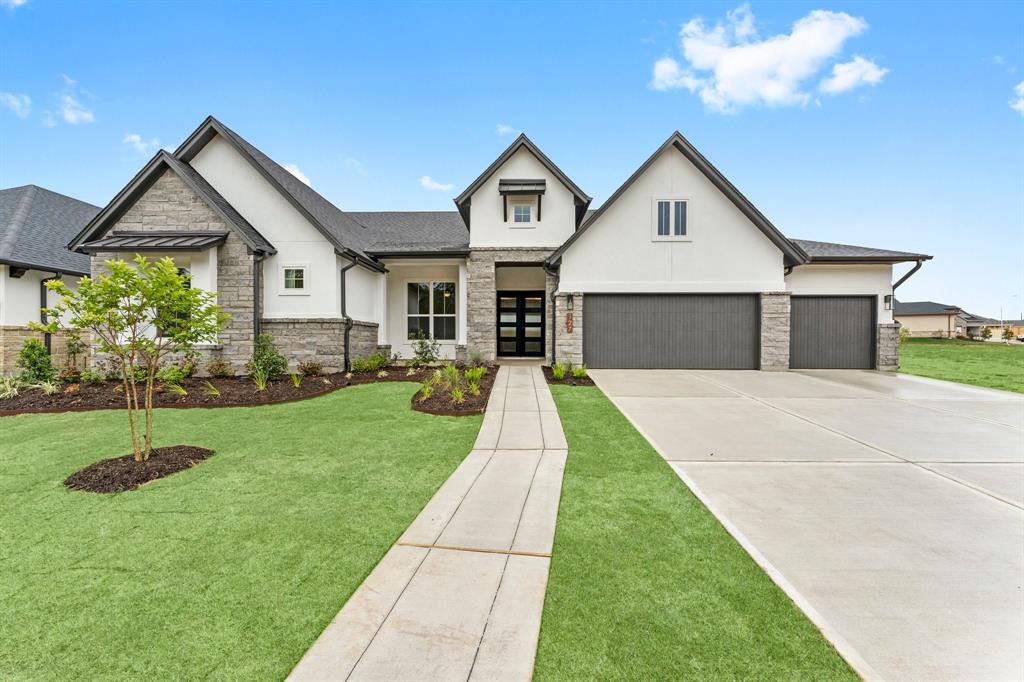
column 9, row 387
column 296, row 380
column 74, row 347
column 986, row 333
column 92, row 375
column 267, row 360
column 579, row 372
column 35, row 363
column 475, row 374
column 425, row 351
column 47, row 387
column 558, row 371
column 374, row 363
column 458, row 397
column 311, row 368
column 260, row 378
column 1008, row 334
column 426, row 391
column 70, row 375
column 474, row 387
column 170, row 374
column 219, row 369
column 475, row 360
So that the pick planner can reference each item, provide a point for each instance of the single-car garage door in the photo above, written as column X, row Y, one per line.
column 671, row 331
column 832, row 332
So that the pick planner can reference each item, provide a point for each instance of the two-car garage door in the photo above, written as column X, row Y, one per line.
column 671, row 331
column 722, row 331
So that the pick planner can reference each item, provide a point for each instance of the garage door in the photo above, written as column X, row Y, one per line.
column 832, row 332
column 671, row 331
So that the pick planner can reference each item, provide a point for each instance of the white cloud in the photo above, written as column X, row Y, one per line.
column 852, row 74
column 1017, row 103
column 427, row 182
column 12, row 4
column 355, row 165
column 506, row 130
column 729, row 67
column 135, row 141
column 48, row 119
column 294, row 170
column 20, row 104
column 74, row 112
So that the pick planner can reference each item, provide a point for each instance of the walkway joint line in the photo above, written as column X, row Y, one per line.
column 509, row 552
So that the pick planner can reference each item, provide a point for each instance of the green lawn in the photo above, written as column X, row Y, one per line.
column 645, row 584
column 995, row 365
column 229, row 570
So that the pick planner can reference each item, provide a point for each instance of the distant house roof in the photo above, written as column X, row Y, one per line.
column 831, row 252
column 346, row 235
column 144, row 179
column 36, row 225
column 397, row 233
column 924, row 308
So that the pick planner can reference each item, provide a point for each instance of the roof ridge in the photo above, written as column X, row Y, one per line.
column 13, row 230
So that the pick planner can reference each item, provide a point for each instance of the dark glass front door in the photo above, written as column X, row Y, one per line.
column 521, row 323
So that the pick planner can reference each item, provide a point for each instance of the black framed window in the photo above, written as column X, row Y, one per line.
column 431, row 310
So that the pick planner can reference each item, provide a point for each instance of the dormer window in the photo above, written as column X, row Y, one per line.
column 521, row 194
column 670, row 219
column 521, row 213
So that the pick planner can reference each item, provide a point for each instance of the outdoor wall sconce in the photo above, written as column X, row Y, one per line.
column 568, row 302
column 888, row 301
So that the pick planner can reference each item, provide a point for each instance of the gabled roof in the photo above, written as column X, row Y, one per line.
column 582, row 200
column 35, row 226
column 924, row 308
column 346, row 235
column 144, row 179
column 825, row 252
column 793, row 254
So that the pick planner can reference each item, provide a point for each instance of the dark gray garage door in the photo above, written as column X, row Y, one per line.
column 671, row 331
column 832, row 332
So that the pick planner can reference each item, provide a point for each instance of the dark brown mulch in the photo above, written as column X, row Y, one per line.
column 118, row 474
column 234, row 392
column 441, row 403
column 569, row 380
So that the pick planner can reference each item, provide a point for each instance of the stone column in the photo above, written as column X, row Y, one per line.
column 775, row 331
column 481, row 306
column 887, row 347
column 569, row 343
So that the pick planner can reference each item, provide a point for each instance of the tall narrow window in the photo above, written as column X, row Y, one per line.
column 670, row 219
column 431, row 310
column 679, row 224
column 663, row 215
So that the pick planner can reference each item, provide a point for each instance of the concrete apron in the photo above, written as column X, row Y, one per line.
column 460, row 595
column 889, row 508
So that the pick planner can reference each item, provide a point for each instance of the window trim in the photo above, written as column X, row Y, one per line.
column 431, row 314
column 522, row 201
column 283, row 290
column 671, row 237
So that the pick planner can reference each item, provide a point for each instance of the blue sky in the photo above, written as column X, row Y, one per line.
column 881, row 124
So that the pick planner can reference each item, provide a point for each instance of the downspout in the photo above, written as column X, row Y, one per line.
column 42, row 308
column 257, row 295
column 554, row 310
column 905, row 277
column 344, row 315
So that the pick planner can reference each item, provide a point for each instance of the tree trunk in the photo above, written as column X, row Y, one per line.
column 150, row 371
column 129, row 393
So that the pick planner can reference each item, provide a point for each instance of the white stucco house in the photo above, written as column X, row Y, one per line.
column 676, row 269
column 35, row 226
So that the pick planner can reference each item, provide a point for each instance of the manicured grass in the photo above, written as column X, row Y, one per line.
column 645, row 584
column 981, row 363
column 229, row 570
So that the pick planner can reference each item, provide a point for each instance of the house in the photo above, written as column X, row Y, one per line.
column 996, row 327
column 675, row 269
column 35, row 226
column 930, row 319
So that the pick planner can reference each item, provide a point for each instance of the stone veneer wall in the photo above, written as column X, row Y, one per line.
column 775, row 330
column 481, row 299
column 888, row 347
column 170, row 204
column 301, row 339
column 569, row 345
column 12, row 338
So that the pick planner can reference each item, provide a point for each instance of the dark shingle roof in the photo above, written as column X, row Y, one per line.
column 823, row 251
column 396, row 232
column 924, row 308
column 36, row 225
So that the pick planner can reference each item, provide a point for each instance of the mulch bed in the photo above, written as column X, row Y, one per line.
column 234, row 392
column 119, row 474
column 441, row 403
column 569, row 380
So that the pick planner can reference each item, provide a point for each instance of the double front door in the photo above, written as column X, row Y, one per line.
column 521, row 323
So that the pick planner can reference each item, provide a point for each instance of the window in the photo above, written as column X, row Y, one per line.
column 293, row 280
column 168, row 331
column 670, row 219
column 521, row 213
column 431, row 310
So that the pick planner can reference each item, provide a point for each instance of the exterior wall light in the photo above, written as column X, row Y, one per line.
column 568, row 302
column 888, row 301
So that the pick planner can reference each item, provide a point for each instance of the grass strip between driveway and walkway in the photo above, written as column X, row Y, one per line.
column 980, row 363
column 225, row 571
column 646, row 584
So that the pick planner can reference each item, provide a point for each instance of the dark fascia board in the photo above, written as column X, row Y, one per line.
column 142, row 181
column 793, row 254
column 41, row 268
column 211, row 127
column 420, row 254
column 866, row 260
column 462, row 201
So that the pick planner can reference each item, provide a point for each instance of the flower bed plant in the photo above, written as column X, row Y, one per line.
column 567, row 374
column 454, row 390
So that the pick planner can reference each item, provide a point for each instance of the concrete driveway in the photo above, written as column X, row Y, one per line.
column 890, row 508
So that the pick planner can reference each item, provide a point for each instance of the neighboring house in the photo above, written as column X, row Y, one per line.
column 1016, row 327
column 676, row 269
column 930, row 319
column 35, row 226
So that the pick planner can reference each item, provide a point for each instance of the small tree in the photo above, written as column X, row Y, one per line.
column 1007, row 334
column 986, row 333
column 904, row 334
column 139, row 315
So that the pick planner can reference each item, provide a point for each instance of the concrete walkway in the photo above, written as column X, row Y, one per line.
column 460, row 595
